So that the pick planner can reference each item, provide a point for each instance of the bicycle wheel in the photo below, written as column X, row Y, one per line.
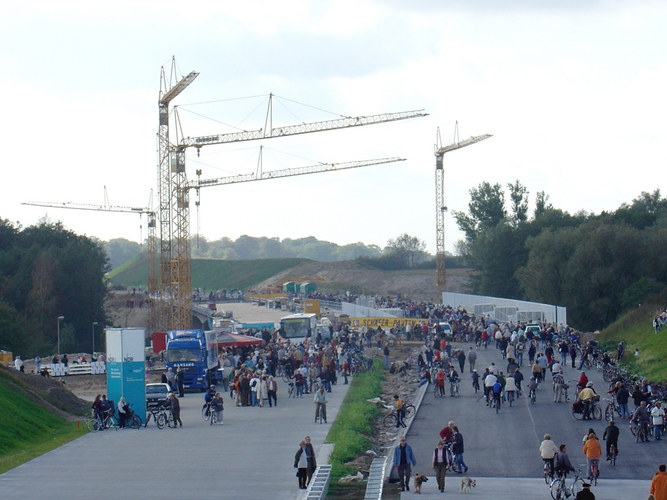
column 547, row 473
column 214, row 419
column 556, row 487
column 206, row 413
column 436, row 391
column 614, row 452
column 390, row 420
column 597, row 412
column 160, row 420
column 609, row 412
column 136, row 422
column 409, row 411
column 577, row 486
column 286, row 377
column 577, row 415
column 93, row 424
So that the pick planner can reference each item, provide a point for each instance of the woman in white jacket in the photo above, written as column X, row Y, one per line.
column 548, row 450
column 261, row 390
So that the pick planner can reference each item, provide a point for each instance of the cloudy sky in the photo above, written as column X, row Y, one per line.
column 572, row 91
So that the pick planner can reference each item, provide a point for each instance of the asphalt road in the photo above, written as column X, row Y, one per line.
column 506, row 444
column 250, row 456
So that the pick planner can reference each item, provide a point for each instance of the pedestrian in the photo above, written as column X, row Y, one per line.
column 440, row 464
column 386, row 357
column 38, row 363
column 261, row 390
column 301, row 465
column 217, row 405
column 171, row 378
column 657, row 419
column 180, row 381
column 175, row 408
column 272, row 391
column 403, row 457
column 310, row 456
column 457, row 450
column 400, row 411
column 472, row 359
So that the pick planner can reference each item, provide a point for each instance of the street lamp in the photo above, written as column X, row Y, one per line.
column 60, row 318
column 94, row 323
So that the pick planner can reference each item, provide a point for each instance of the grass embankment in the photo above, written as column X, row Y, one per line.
column 636, row 329
column 209, row 274
column 355, row 421
column 28, row 430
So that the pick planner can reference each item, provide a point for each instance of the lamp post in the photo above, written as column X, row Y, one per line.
column 60, row 318
column 94, row 323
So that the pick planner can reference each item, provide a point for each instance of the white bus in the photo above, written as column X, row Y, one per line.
column 298, row 327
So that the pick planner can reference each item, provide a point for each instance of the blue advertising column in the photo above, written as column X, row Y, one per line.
column 126, row 372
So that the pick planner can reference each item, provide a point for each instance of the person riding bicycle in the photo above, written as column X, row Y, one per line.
column 475, row 380
column 321, row 400
column 641, row 416
column 497, row 391
column 562, row 464
column 610, row 435
column 592, row 450
column 586, row 396
column 453, row 378
column 548, row 450
column 208, row 397
column 510, row 386
column 532, row 387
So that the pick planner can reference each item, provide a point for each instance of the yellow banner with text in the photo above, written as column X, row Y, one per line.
column 385, row 322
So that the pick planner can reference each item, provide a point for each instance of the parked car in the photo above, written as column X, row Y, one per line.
column 156, row 394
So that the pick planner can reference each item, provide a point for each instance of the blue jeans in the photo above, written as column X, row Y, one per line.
column 624, row 410
column 657, row 431
column 386, row 361
column 458, row 460
column 253, row 398
column 519, row 358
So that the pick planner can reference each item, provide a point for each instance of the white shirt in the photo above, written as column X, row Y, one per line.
column 490, row 380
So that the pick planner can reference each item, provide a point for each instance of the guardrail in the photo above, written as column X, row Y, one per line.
column 375, row 483
column 319, row 483
column 60, row 370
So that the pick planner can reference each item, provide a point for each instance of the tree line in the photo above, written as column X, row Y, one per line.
column 597, row 265
column 47, row 272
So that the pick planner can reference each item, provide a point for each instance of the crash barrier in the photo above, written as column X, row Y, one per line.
column 375, row 483
column 60, row 370
column 319, row 483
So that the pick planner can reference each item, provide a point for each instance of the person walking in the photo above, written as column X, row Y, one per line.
column 171, row 378
column 386, row 357
column 472, row 359
column 440, row 464
column 658, row 490
column 310, row 456
column 657, row 419
column 403, row 458
column 457, row 450
column 301, row 465
column 217, row 405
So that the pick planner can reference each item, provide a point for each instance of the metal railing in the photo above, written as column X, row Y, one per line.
column 375, row 483
column 319, row 483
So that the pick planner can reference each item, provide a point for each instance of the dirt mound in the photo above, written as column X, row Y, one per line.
column 49, row 392
column 360, row 279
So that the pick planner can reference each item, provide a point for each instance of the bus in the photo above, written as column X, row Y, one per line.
column 298, row 327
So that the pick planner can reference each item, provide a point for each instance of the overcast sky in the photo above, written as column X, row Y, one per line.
column 572, row 91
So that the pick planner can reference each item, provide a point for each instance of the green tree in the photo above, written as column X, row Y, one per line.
column 519, row 202
column 409, row 250
column 486, row 210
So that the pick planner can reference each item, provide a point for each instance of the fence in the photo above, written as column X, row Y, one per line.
column 319, row 483
column 60, row 370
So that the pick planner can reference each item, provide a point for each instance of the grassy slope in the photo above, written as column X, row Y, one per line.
column 209, row 274
column 636, row 329
column 28, row 430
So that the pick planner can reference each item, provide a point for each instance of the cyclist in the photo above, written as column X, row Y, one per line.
column 475, row 380
column 548, row 450
column 321, row 400
column 518, row 378
column 497, row 391
column 610, row 435
column 586, row 396
column 532, row 388
column 489, row 381
column 657, row 417
column 641, row 417
column 592, row 450
column 510, row 387
column 562, row 464
column 208, row 397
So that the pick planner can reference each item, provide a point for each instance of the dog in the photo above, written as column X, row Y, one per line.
column 419, row 479
column 467, row 484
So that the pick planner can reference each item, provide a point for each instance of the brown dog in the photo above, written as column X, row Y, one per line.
column 419, row 479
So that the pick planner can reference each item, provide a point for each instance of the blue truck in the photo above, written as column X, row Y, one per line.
column 196, row 352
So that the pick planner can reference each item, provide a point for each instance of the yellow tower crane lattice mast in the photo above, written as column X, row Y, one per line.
column 440, row 207
column 175, row 280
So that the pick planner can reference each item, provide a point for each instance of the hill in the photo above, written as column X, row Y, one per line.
column 258, row 274
column 636, row 328
column 37, row 416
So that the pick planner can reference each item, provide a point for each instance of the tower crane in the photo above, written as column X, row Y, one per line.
column 440, row 207
column 175, row 280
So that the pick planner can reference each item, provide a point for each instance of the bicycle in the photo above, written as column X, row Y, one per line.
column 595, row 473
column 206, row 412
column 613, row 453
column 611, row 408
column 560, row 489
column 320, row 410
column 578, row 411
column 548, row 474
column 132, row 420
column 391, row 420
column 532, row 396
column 454, row 389
column 510, row 397
column 643, row 434
column 94, row 423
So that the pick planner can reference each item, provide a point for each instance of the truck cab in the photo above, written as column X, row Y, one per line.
column 189, row 350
